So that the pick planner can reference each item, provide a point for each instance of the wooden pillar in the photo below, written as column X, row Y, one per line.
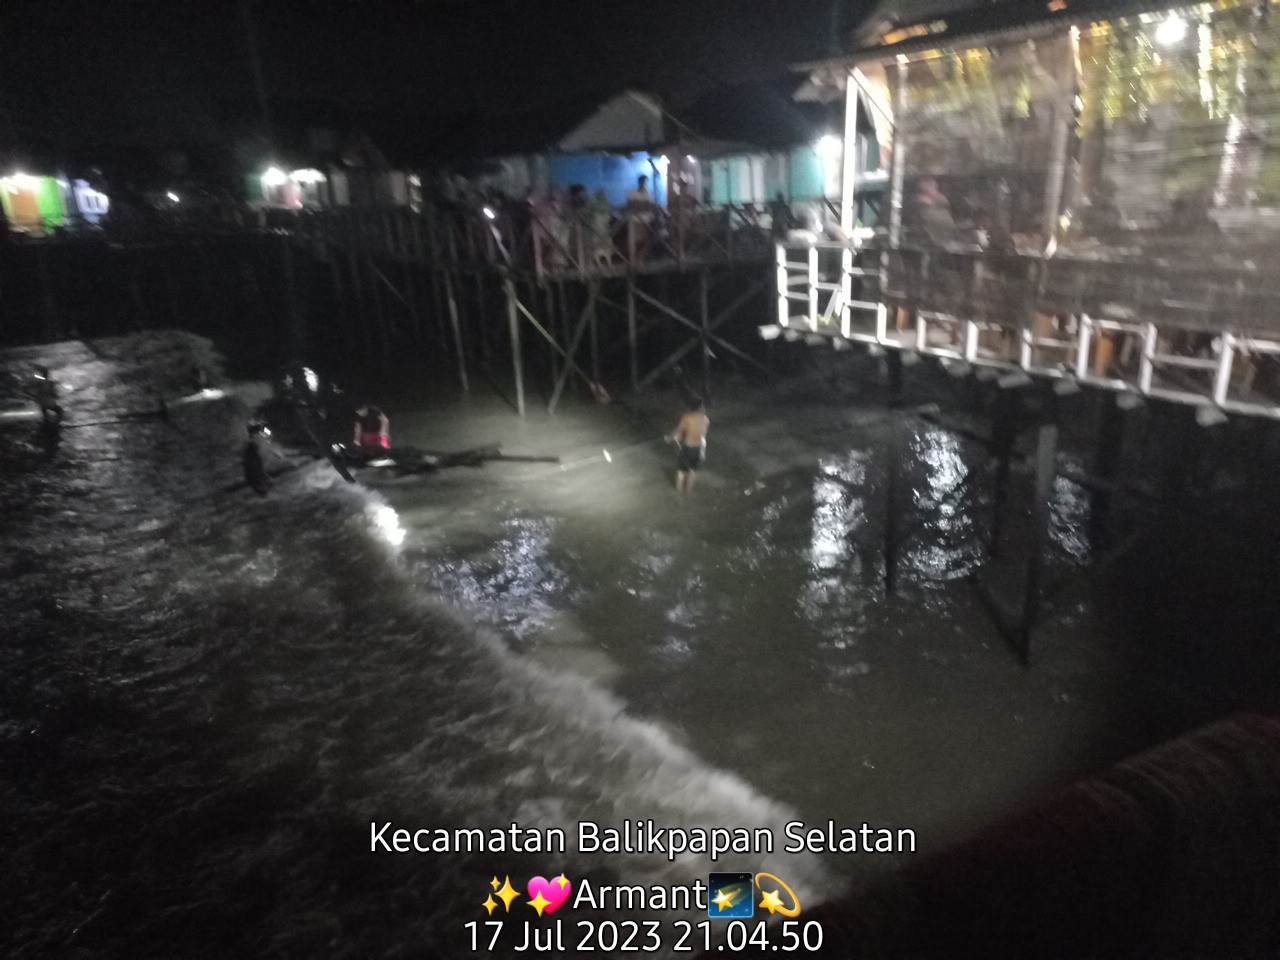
column 706, row 344
column 891, row 509
column 556, row 320
column 1046, row 454
column 513, row 327
column 1004, row 435
column 295, row 336
column 893, row 362
column 1108, row 464
column 52, row 326
column 482, row 322
column 592, row 296
column 380, row 316
column 457, row 333
column 631, row 331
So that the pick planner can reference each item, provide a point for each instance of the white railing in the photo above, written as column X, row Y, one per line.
column 815, row 281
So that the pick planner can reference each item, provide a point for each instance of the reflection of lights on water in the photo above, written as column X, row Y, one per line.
column 313, row 382
column 940, row 452
column 208, row 393
column 387, row 521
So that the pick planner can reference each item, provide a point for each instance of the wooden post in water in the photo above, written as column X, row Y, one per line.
column 482, row 323
column 1107, row 465
column 631, row 331
column 593, row 295
column 380, row 316
column 513, row 327
column 294, row 335
column 357, row 290
column 52, row 326
column 1046, row 468
column 1004, row 435
column 457, row 332
column 557, row 324
column 706, row 345
column 891, row 508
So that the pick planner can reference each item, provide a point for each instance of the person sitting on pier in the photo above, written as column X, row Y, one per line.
column 639, row 199
column 691, row 436
column 934, row 212
column 372, row 430
column 599, row 221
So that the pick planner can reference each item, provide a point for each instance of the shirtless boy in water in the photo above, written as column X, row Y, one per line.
column 691, row 435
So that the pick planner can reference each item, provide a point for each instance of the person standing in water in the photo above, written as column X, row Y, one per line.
column 372, row 430
column 691, row 437
column 254, row 457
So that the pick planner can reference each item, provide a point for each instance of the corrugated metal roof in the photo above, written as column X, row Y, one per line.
column 1007, row 21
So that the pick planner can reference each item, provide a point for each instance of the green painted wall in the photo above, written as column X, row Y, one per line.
column 48, row 196
column 806, row 174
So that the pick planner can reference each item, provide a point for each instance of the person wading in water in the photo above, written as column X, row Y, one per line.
column 372, row 431
column 691, row 436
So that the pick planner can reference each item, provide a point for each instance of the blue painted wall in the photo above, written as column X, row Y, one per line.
column 614, row 174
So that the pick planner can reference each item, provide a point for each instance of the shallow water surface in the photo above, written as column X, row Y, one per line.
column 207, row 696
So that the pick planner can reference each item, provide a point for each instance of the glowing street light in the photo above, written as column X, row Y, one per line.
column 307, row 175
column 1172, row 30
column 172, row 196
column 488, row 212
column 274, row 177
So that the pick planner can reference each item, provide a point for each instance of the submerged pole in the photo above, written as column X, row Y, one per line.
column 513, row 326
column 1046, row 455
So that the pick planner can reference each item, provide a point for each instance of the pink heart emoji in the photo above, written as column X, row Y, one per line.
column 554, row 892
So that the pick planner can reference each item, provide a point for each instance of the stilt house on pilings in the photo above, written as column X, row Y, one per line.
column 1078, row 189
column 548, row 258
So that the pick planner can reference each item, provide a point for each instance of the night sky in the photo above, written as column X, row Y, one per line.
column 89, row 76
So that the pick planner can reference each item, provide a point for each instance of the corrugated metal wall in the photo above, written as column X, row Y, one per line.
column 1163, row 132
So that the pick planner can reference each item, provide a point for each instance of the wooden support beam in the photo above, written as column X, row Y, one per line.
column 549, row 338
column 720, row 318
column 595, row 331
column 398, row 295
column 380, row 317
column 513, row 328
column 631, row 330
column 353, row 261
column 1046, row 456
column 588, row 311
column 891, row 538
column 706, row 345
column 1004, row 431
column 457, row 332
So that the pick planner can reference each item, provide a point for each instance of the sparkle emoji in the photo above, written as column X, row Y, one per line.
column 503, row 891
column 772, row 901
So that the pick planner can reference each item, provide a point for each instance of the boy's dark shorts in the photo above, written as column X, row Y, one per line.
column 689, row 458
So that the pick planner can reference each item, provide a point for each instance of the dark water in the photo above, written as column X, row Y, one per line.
column 206, row 696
